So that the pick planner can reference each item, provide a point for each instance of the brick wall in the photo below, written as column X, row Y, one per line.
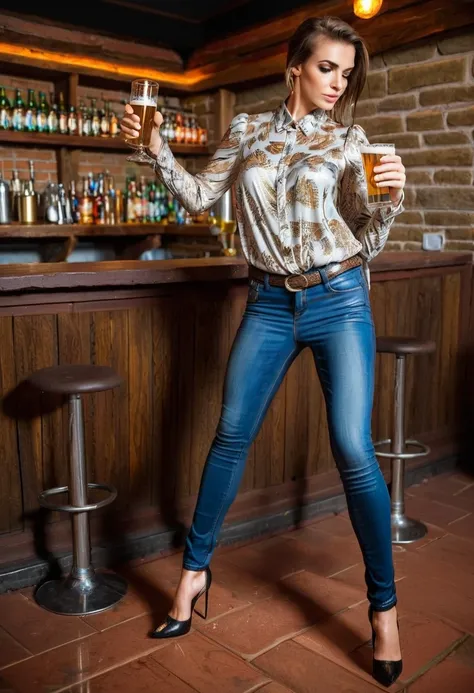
column 421, row 99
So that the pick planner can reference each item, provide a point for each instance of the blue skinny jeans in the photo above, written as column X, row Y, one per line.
column 334, row 320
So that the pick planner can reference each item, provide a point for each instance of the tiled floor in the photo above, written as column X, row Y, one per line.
column 287, row 614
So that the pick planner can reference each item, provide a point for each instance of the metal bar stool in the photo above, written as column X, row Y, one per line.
column 404, row 529
column 83, row 591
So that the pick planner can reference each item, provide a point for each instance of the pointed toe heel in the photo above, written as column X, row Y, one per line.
column 385, row 672
column 171, row 628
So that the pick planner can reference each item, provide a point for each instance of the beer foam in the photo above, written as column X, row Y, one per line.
column 377, row 149
column 143, row 101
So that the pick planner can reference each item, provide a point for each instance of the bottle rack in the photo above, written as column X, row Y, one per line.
column 53, row 141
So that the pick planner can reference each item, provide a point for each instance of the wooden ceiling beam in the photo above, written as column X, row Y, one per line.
column 411, row 22
column 281, row 28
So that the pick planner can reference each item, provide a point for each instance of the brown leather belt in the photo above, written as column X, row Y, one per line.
column 298, row 282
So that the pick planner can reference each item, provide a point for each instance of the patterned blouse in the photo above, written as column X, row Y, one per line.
column 299, row 186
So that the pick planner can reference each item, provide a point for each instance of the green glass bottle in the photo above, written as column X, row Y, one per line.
column 5, row 111
column 31, row 112
column 18, row 118
column 42, row 115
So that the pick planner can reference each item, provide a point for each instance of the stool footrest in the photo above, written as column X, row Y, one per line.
column 73, row 508
column 424, row 450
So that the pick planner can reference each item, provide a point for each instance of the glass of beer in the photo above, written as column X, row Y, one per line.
column 143, row 100
column 371, row 155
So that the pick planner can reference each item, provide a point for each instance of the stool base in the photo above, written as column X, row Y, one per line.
column 405, row 530
column 81, row 596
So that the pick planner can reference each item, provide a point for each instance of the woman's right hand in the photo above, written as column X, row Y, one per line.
column 130, row 125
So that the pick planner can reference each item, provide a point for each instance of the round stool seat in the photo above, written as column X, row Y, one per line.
column 75, row 379
column 405, row 345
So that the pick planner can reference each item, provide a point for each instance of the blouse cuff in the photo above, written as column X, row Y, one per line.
column 390, row 211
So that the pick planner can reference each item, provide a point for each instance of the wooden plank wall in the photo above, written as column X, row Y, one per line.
column 150, row 437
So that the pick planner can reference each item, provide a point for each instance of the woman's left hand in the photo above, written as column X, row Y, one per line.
column 391, row 173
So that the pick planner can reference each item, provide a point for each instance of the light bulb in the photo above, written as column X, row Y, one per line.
column 365, row 9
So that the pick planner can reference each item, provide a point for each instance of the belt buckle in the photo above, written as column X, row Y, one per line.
column 298, row 288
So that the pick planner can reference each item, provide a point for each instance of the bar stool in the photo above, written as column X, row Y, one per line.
column 404, row 529
column 83, row 591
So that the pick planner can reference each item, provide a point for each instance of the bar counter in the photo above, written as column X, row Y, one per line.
column 167, row 328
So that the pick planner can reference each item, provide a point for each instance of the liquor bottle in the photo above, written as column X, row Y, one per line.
column 18, row 118
column 179, row 130
column 72, row 121
column 63, row 117
column 187, row 130
column 119, row 204
column 105, row 121
column 114, row 128
column 137, row 196
column 95, row 128
column 53, row 117
column 87, row 126
column 110, row 201
column 86, row 210
column 15, row 192
column 31, row 112
column 144, row 200
column 42, row 114
column 75, row 208
column 5, row 111
column 80, row 118
column 130, row 210
column 172, row 128
column 194, row 131
column 99, row 202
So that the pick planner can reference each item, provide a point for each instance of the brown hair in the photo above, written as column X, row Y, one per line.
column 301, row 46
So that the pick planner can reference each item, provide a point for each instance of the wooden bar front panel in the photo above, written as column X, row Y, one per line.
column 171, row 343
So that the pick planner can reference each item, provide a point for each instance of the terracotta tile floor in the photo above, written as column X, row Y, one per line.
column 288, row 614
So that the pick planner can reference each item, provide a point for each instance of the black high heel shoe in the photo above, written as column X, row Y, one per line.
column 171, row 628
column 385, row 672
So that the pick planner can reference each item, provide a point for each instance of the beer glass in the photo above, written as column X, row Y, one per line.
column 143, row 100
column 371, row 155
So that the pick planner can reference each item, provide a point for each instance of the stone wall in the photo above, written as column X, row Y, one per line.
column 421, row 98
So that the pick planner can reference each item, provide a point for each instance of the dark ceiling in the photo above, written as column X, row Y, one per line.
column 182, row 25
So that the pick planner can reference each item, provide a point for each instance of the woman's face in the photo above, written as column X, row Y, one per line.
column 323, row 78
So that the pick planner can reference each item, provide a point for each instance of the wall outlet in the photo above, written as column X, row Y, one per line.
column 433, row 240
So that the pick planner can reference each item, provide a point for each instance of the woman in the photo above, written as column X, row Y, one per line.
column 307, row 234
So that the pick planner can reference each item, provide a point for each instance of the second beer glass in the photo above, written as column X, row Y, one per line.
column 371, row 155
column 143, row 100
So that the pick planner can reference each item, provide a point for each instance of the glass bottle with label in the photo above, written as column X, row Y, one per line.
column 63, row 116
column 95, row 127
column 5, row 111
column 42, row 115
column 87, row 126
column 99, row 202
column 72, row 121
column 18, row 118
column 105, row 121
column 53, row 117
column 75, row 208
column 86, row 209
column 114, row 125
column 31, row 112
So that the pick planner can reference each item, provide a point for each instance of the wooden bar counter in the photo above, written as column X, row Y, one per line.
column 167, row 328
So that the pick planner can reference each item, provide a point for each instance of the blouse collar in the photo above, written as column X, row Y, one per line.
column 308, row 124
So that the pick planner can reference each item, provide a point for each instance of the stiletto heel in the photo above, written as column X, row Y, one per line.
column 171, row 628
column 385, row 672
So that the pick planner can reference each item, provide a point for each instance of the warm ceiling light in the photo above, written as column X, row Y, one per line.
column 365, row 9
column 117, row 70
